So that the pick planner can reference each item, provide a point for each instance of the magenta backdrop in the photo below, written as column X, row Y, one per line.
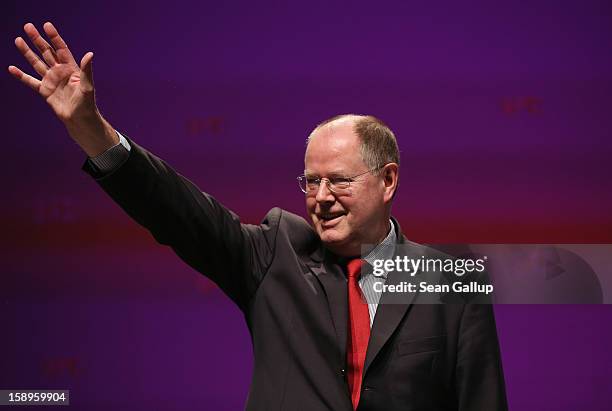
column 503, row 117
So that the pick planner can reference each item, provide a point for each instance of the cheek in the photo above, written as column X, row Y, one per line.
column 358, row 213
column 310, row 205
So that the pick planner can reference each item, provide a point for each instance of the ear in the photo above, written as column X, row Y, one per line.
column 390, row 178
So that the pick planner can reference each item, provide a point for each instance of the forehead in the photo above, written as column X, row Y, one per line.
column 334, row 148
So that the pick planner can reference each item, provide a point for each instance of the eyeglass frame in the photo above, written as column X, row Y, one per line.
column 329, row 184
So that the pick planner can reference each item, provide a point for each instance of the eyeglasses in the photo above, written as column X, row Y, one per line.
column 337, row 185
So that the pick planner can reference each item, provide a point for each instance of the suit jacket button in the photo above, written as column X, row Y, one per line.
column 367, row 388
column 343, row 372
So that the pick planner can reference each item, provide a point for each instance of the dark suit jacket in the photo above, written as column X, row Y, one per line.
column 294, row 298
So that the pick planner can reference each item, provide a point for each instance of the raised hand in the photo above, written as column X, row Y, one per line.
column 66, row 86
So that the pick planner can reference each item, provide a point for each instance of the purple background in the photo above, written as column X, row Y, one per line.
column 502, row 113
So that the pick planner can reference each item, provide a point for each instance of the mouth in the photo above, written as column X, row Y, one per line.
column 330, row 219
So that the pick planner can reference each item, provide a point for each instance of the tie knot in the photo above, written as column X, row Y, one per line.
column 353, row 268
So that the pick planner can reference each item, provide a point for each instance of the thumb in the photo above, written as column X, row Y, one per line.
column 87, row 83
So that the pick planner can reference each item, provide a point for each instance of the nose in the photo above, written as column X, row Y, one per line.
column 324, row 194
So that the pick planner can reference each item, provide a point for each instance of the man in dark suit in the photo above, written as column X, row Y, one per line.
column 301, row 287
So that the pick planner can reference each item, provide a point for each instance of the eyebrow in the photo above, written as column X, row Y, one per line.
column 332, row 174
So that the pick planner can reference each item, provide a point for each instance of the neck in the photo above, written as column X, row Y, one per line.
column 381, row 234
column 365, row 244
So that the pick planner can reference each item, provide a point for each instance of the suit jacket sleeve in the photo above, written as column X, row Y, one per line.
column 202, row 232
column 479, row 376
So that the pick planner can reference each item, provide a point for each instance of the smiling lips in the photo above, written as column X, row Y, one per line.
column 330, row 219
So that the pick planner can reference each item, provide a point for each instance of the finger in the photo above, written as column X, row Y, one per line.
column 61, row 48
column 31, row 57
column 87, row 84
column 26, row 79
column 46, row 51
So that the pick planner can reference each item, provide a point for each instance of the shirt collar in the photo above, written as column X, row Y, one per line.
column 383, row 251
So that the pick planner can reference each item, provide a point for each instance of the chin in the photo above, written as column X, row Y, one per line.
column 336, row 242
column 331, row 236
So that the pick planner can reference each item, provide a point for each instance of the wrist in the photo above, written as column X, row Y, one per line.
column 92, row 133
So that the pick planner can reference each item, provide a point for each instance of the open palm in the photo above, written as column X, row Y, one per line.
column 66, row 86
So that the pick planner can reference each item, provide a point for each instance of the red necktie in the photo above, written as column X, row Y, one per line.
column 359, row 330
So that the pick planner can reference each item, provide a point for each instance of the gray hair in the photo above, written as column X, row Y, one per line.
column 378, row 143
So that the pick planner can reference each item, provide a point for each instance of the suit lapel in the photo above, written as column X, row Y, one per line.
column 389, row 312
column 388, row 317
column 333, row 281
